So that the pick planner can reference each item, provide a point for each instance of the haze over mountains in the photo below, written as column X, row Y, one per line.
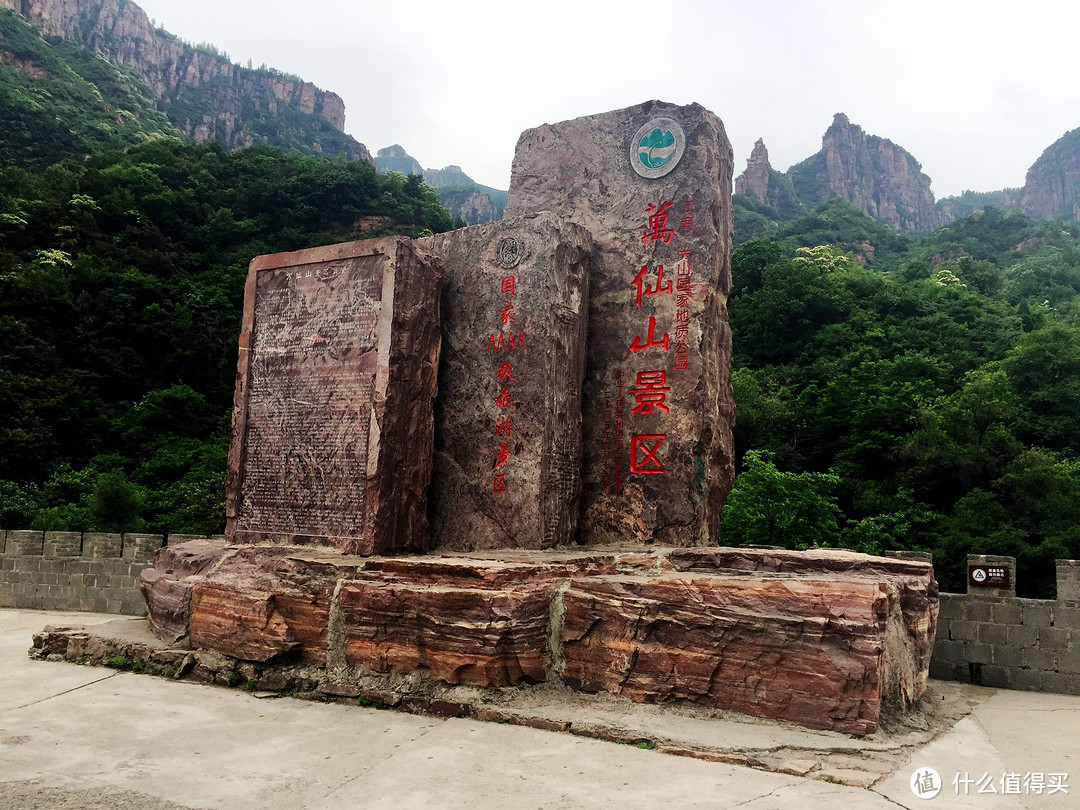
column 104, row 76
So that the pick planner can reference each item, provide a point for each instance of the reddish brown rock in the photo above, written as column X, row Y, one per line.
column 805, row 650
column 508, row 416
column 332, row 422
column 913, row 600
column 460, row 635
column 828, row 639
column 241, row 622
column 652, row 184
column 260, row 603
column 167, row 586
column 503, row 570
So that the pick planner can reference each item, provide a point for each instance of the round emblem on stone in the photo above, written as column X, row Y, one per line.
column 508, row 253
column 657, row 147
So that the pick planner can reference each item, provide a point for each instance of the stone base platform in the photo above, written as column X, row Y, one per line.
column 828, row 639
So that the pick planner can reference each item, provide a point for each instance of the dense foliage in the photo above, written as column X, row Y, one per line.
column 121, row 284
column 62, row 100
column 932, row 395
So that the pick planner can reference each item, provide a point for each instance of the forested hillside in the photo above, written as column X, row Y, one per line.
column 121, row 283
column 928, row 400
column 917, row 391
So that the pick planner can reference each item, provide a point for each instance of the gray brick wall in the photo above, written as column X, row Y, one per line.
column 75, row 571
column 991, row 637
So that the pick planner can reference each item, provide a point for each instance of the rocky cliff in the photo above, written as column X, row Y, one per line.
column 473, row 203
column 396, row 159
column 755, row 179
column 768, row 186
column 876, row 175
column 202, row 92
column 1052, row 186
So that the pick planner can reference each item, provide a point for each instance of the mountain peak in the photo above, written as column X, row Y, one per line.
column 877, row 176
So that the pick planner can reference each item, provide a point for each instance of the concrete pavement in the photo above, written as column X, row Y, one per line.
column 89, row 738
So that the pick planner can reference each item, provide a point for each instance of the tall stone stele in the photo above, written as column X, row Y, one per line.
column 652, row 184
column 508, row 416
column 332, row 420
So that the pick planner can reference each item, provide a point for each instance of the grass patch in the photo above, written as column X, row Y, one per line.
column 120, row 662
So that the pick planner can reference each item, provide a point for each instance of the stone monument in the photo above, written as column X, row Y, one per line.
column 332, row 452
column 652, row 184
column 508, row 416
column 332, row 419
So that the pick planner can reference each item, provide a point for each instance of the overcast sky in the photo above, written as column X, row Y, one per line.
column 974, row 90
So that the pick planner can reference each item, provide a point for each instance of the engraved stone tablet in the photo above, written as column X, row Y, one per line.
column 508, row 415
column 652, row 184
column 332, row 420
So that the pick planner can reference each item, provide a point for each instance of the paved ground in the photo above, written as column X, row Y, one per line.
column 87, row 738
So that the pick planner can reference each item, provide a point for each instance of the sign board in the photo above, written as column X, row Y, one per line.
column 989, row 576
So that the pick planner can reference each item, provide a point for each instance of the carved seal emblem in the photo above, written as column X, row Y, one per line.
column 508, row 253
column 657, row 147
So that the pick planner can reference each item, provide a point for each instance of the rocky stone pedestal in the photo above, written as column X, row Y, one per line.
column 829, row 640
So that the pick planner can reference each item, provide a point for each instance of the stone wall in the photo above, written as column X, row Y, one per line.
column 988, row 636
column 76, row 571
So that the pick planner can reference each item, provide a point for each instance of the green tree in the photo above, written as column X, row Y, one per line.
column 115, row 504
column 775, row 508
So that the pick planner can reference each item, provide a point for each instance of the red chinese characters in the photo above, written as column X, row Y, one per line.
column 504, row 373
column 643, row 287
column 658, row 231
column 682, row 310
column 643, row 453
column 651, row 389
column 651, row 392
column 687, row 222
column 651, row 341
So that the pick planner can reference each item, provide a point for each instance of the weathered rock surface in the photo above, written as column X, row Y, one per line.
column 799, row 649
column 167, row 586
column 827, row 643
column 1052, row 185
column 508, row 416
column 332, row 421
column 911, row 587
column 755, row 178
column 877, row 176
column 658, row 409
column 262, row 603
column 477, row 209
column 484, row 637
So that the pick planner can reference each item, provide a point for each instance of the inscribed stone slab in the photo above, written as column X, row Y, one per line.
column 508, row 415
column 332, row 420
column 652, row 184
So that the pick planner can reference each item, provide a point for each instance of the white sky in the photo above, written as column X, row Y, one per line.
column 974, row 90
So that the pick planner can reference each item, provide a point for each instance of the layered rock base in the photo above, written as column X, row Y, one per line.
column 828, row 639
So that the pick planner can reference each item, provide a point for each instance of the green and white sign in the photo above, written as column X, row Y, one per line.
column 657, row 147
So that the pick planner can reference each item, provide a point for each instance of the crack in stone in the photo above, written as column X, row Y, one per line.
column 65, row 692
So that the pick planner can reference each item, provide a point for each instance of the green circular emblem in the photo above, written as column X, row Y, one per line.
column 657, row 147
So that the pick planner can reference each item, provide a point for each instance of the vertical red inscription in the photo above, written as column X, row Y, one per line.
column 504, row 371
